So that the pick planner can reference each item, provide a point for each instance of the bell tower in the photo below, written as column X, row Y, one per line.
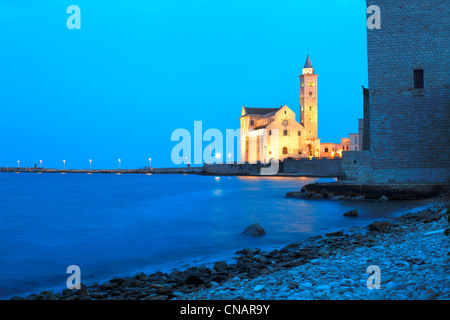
column 308, row 100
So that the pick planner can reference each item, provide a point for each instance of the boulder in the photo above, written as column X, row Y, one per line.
column 380, row 226
column 220, row 266
column 164, row 290
column 337, row 198
column 254, row 230
column 351, row 213
column 383, row 198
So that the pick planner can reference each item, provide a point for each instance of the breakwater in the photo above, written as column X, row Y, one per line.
column 191, row 170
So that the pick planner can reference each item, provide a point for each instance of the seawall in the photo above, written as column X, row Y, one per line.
column 288, row 167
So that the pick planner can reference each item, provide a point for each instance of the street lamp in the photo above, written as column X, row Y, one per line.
column 150, row 161
column 64, row 164
column 90, row 164
column 40, row 162
column 229, row 156
column 119, row 164
column 18, row 163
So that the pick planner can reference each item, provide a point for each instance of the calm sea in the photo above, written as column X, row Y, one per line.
column 113, row 225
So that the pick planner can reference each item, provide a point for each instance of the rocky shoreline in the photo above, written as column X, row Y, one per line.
column 411, row 251
column 343, row 191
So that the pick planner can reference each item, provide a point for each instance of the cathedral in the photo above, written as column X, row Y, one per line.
column 275, row 133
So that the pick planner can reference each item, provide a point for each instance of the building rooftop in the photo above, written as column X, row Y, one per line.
column 260, row 111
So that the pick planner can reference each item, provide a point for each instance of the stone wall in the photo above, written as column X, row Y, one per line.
column 409, row 128
column 314, row 167
column 360, row 167
column 302, row 167
column 232, row 169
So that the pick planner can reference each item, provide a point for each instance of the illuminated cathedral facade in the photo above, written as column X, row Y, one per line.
column 275, row 133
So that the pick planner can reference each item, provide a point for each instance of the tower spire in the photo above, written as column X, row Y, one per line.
column 308, row 63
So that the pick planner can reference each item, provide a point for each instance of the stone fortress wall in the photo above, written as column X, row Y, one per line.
column 407, row 133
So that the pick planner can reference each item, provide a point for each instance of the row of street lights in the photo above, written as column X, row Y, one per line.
column 217, row 155
column 90, row 163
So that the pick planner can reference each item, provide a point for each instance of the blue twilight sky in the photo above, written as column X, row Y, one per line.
column 138, row 70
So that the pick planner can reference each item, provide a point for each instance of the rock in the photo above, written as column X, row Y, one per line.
column 119, row 281
column 17, row 298
column 323, row 287
column 193, row 279
column 218, row 278
column 245, row 252
column 164, row 290
column 99, row 295
column 391, row 285
column 305, row 285
column 335, row 234
column 141, row 276
column 430, row 218
column 282, row 295
column 115, row 293
column 317, row 196
column 387, row 278
column 351, row 213
column 346, row 282
column 254, row 230
column 323, row 295
column 176, row 276
column 47, row 295
column 429, row 295
column 359, row 198
column 159, row 298
column 258, row 288
column 220, row 266
column 334, row 284
column 380, row 226
column 82, row 291
column 383, row 198
column 295, row 194
column 134, row 283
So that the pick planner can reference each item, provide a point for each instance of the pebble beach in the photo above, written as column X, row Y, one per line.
column 411, row 252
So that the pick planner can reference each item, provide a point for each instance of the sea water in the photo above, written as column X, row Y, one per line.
column 114, row 225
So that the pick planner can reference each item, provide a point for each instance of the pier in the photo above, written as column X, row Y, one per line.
column 191, row 170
